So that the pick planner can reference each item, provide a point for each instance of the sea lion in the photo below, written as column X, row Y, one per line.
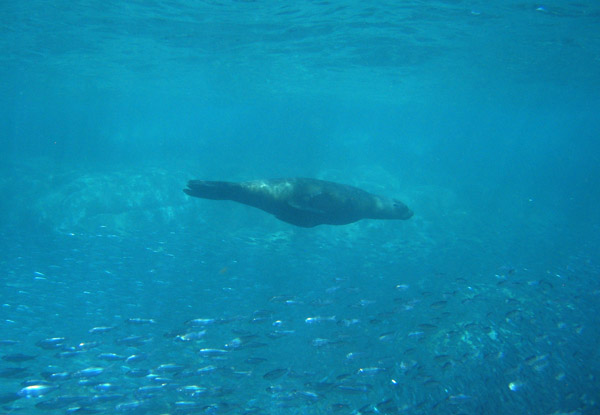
column 304, row 202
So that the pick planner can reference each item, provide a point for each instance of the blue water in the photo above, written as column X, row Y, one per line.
column 481, row 116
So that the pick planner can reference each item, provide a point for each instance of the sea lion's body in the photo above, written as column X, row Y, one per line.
column 304, row 202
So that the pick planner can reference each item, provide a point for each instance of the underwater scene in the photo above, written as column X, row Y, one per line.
column 310, row 207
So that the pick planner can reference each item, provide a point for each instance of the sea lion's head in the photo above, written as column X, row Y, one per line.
column 400, row 210
column 387, row 208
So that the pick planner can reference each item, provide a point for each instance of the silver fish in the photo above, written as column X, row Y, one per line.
column 34, row 391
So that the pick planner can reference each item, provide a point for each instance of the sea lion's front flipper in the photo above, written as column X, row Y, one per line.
column 305, row 208
column 318, row 202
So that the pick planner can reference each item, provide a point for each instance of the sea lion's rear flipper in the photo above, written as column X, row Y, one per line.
column 212, row 190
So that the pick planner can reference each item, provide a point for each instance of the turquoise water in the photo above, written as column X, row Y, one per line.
column 120, row 294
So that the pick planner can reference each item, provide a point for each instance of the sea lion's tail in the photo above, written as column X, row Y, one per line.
column 212, row 190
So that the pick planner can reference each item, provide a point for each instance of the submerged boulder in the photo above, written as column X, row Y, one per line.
column 72, row 200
